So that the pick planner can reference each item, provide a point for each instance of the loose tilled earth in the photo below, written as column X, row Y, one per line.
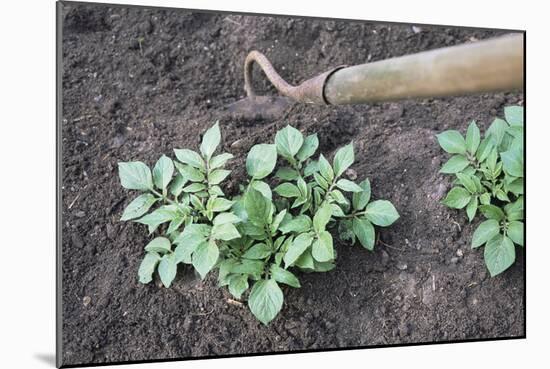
column 138, row 83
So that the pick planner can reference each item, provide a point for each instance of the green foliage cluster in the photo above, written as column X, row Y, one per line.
column 258, row 239
column 489, row 178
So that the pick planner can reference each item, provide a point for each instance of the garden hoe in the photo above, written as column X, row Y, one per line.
column 485, row 66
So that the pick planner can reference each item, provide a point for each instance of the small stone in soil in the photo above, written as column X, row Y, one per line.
column 80, row 214
column 86, row 300
column 459, row 253
column 402, row 266
column 454, row 260
column 351, row 174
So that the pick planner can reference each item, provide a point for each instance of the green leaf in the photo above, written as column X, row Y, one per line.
column 484, row 149
column 492, row 212
column 188, row 241
column 223, row 218
column 337, row 211
column 217, row 176
column 305, row 261
column 288, row 190
column 220, row 204
column 138, row 206
column 190, row 173
column 322, row 248
column 343, row 159
column 310, row 145
column 277, row 221
column 514, row 211
column 251, row 267
column 381, row 212
column 160, row 245
column 261, row 160
column 147, row 267
column 473, row 137
column 284, row 276
column 496, row 131
column 516, row 187
column 297, row 248
column 258, row 251
column 163, row 172
column 210, row 141
column 361, row 199
column 288, row 141
column 287, row 174
column 348, row 185
column 205, row 257
column 499, row 254
column 322, row 217
column 485, row 199
column 167, row 269
column 514, row 115
column 455, row 164
column 176, row 223
column 471, row 208
column 484, row 232
column 339, row 197
column 321, row 181
column 225, row 232
column 299, row 224
column 311, row 167
column 220, row 160
column 190, row 157
column 263, row 188
column 452, row 142
column 224, row 271
column 512, row 162
column 237, row 285
column 265, row 300
column 457, row 198
column 258, row 208
column 325, row 169
column 161, row 215
column 515, row 232
column 364, row 230
column 176, row 187
column 135, row 175
column 467, row 181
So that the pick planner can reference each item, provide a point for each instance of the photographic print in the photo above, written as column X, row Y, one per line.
column 239, row 184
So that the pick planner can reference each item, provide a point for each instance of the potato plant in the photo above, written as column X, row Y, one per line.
column 489, row 178
column 257, row 240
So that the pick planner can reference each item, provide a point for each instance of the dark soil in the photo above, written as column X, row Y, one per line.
column 138, row 83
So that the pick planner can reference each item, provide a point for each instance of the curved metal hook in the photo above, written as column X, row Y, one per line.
column 310, row 91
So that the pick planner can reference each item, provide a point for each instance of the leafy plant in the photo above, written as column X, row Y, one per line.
column 489, row 178
column 259, row 238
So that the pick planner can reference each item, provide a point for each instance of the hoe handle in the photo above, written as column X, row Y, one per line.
column 485, row 66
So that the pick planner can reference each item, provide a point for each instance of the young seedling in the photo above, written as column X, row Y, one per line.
column 260, row 237
column 489, row 178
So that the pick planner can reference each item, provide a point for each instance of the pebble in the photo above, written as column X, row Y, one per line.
column 402, row 266
column 416, row 29
column 238, row 144
column 86, row 300
column 454, row 260
column 459, row 253
column 351, row 174
column 80, row 214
